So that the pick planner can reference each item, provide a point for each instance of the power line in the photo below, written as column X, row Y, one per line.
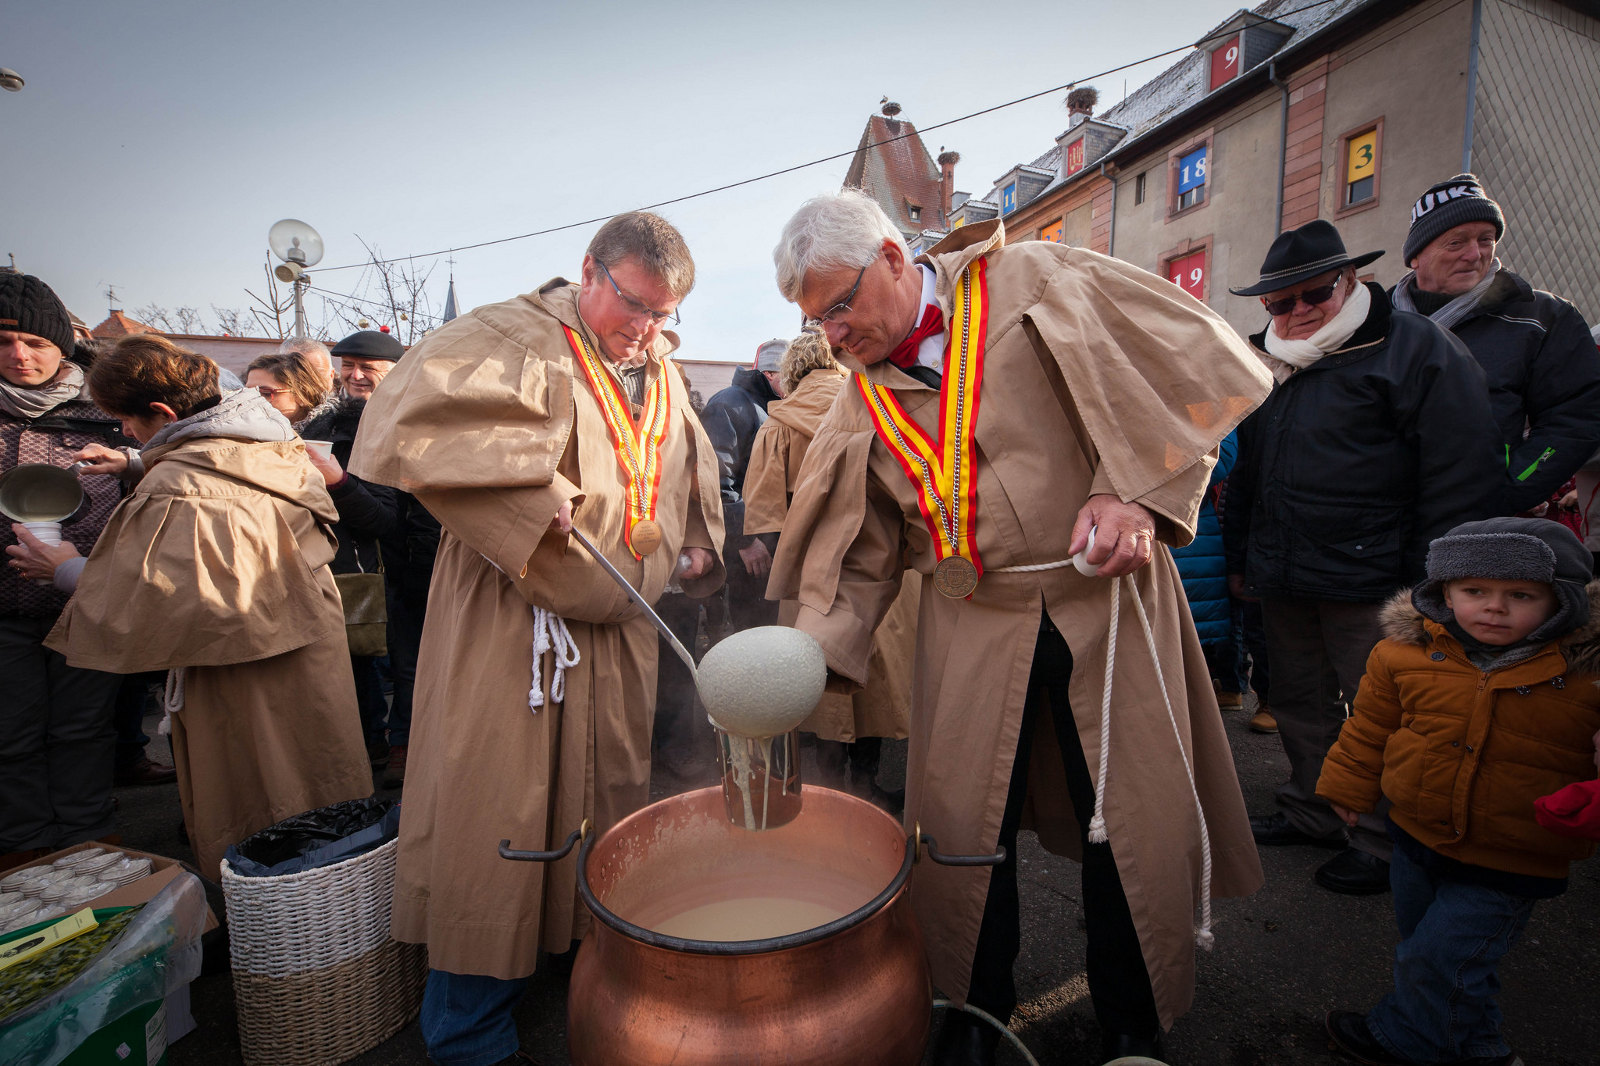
column 1220, row 35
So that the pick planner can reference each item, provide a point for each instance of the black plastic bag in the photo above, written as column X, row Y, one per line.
column 316, row 838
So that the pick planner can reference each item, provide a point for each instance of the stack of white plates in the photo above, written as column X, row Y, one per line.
column 77, row 857
column 35, row 887
column 97, row 863
column 17, row 912
column 83, row 892
column 16, row 881
column 125, row 871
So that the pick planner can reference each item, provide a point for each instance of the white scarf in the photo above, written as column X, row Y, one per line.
column 1292, row 355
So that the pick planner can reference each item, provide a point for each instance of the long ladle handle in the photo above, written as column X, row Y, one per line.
column 636, row 597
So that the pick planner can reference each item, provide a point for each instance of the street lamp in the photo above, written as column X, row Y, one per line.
column 10, row 80
column 300, row 248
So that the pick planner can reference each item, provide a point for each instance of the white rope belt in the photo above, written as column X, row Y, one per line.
column 1097, row 824
column 171, row 700
column 550, row 634
column 1031, row 568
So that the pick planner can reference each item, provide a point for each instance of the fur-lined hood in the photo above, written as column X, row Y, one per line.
column 1404, row 624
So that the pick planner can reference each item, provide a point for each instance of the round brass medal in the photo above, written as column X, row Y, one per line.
column 955, row 577
column 646, row 537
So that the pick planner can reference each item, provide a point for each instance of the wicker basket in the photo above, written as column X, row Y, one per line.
column 315, row 976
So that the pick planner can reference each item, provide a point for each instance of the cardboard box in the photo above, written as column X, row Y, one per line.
column 162, row 871
column 141, row 1036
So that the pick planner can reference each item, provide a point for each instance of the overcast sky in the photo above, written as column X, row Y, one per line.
column 155, row 143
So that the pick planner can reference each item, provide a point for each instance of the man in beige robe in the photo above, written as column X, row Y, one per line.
column 536, row 679
column 1105, row 391
column 850, row 726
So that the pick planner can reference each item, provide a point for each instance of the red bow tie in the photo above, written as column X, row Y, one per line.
column 932, row 325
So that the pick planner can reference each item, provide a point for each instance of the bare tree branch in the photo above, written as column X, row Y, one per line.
column 154, row 315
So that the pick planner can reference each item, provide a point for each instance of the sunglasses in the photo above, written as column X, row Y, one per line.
column 1312, row 298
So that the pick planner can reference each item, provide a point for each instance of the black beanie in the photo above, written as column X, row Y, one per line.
column 28, row 305
column 1512, row 549
column 370, row 344
column 1446, row 206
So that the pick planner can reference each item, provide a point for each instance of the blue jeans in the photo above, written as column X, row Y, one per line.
column 466, row 1018
column 1453, row 936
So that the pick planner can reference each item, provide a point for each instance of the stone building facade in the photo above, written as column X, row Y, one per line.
column 1347, row 111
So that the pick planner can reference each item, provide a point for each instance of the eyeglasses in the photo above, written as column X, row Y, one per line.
column 268, row 391
column 840, row 308
column 636, row 306
column 1312, row 298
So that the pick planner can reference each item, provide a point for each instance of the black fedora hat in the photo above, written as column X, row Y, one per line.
column 1303, row 253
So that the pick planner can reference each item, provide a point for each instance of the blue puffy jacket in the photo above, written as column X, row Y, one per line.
column 1203, row 564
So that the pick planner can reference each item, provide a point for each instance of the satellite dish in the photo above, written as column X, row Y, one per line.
column 295, row 242
column 10, row 80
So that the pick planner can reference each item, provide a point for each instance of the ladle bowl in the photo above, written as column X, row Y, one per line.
column 39, row 492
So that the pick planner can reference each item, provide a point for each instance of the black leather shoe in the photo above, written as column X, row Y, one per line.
column 1115, row 1046
column 1349, row 1035
column 965, row 1040
column 1275, row 830
column 1354, row 873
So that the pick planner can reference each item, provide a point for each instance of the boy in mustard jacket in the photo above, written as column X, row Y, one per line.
column 1483, row 696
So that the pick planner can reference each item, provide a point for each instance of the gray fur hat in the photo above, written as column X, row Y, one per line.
column 1511, row 549
column 770, row 354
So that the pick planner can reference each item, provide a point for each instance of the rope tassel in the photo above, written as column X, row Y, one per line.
column 1098, row 834
column 550, row 634
column 171, row 700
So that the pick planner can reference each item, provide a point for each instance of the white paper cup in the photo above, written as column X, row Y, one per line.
column 323, row 448
column 48, row 532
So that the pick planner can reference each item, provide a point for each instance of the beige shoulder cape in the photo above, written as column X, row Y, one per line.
column 218, row 556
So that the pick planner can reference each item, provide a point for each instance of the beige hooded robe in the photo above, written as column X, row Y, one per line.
column 216, row 565
column 1099, row 378
column 881, row 707
column 492, row 424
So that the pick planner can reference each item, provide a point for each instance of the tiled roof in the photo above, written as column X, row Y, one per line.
column 118, row 325
column 895, row 169
column 1184, row 82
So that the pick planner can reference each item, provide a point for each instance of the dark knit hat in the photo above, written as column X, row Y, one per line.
column 28, row 305
column 1512, row 549
column 370, row 344
column 1446, row 206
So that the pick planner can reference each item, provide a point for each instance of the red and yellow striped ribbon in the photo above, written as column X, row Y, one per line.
column 944, row 472
column 639, row 454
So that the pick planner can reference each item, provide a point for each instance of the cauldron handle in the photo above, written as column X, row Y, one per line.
column 924, row 840
column 580, row 833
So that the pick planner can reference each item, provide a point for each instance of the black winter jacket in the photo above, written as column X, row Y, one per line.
column 1544, row 377
column 1356, row 462
column 731, row 418
column 367, row 512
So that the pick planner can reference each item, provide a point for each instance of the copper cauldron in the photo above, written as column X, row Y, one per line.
column 852, row 990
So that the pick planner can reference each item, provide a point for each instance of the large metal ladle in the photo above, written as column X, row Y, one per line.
column 638, row 598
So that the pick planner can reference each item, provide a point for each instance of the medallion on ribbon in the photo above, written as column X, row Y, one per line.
column 638, row 452
column 944, row 470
